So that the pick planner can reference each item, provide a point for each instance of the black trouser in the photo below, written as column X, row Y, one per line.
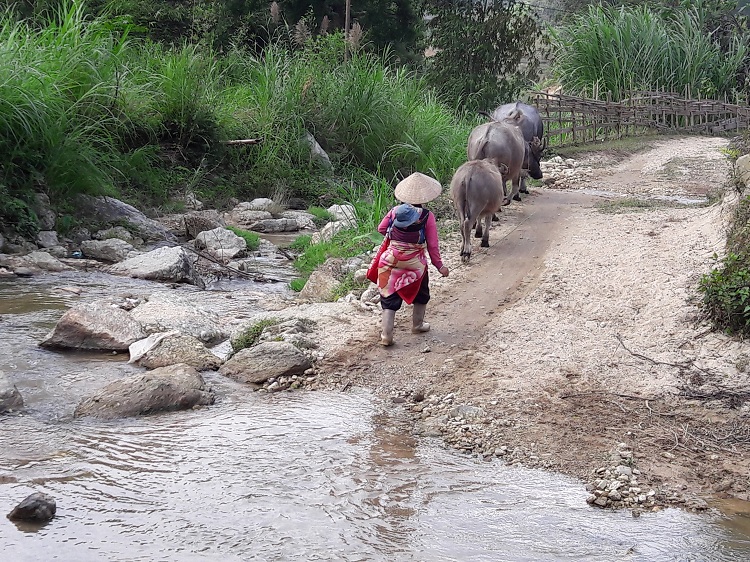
column 395, row 301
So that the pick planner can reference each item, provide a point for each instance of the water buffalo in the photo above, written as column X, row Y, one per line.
column 530, row 122
column 502, row 144
column 477, row 193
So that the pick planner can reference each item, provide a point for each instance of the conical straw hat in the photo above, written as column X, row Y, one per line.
column 417, row 189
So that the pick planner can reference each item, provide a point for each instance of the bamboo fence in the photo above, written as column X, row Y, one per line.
column 576, row 120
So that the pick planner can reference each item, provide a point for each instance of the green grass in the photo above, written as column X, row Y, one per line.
column 86, row 108
column 250, row 335
column 322, row 216
column 611, row 49
column 251, row 238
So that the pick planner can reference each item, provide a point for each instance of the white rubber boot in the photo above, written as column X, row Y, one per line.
column 418, row 325
column 386, row 336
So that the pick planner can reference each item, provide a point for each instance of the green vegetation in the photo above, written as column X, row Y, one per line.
column 615, row 50
column 251, row 238
column 250, row 335
column 322, row 216
column 85, row 107
column 479, row 48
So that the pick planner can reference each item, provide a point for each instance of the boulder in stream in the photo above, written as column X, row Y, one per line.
column 37, row 507
column 111, row 210
column 95, row 325
column 266, row 360
column 163, row 264
column 169, row 348
column 221, row 243
column 163, row 312
column 176, row 387
column 10, row 399
column 110, row 249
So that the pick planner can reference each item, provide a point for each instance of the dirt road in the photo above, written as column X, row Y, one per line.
column 578, row 333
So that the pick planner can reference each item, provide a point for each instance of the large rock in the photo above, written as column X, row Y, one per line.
column 263, row 204
column 45, row 261
column 110, row 249
column 118, row 232
column 170, row 348
column 177, row 387
column 275, row 225
column 166, row 312
column 47, row 239
column 96, row 325
column 244, row 215
column 329, row 231
column 221, row 243
column 200, row 221
column 162, row 264
column 267, row 360
column 111, row 210
column 37, row 507
column 320, row 287
column 345, row 212
column 10, row 398
column 304, row 219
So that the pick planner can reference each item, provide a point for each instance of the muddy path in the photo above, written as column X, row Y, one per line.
column 580, row 330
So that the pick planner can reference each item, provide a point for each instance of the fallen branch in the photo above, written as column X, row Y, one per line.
column 245, row 274
column 685, row 365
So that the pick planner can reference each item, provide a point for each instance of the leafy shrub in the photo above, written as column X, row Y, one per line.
column 298, row 284
column 17, row 214
column 250, row 335
column 251, row 238
column 726, row 295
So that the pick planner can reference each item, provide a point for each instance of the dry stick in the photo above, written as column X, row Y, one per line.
column 259, row 278
column 628, row 396
column 654, row 361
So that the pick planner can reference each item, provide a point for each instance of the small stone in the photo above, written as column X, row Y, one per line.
column 36, row 507
column 601, row 501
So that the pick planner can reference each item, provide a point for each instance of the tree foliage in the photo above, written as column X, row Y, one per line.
column 484, row 52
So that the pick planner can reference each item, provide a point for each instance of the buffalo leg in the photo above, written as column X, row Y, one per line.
column 466, row 227
column 486, row 237
column 478, row 232
column 523, row 189
column 516, row 182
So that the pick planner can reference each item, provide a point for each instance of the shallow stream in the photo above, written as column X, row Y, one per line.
column 287, row 476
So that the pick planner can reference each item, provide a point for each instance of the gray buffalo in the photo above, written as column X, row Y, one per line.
column 527, row 118
column 502, row 144
column 477, row 193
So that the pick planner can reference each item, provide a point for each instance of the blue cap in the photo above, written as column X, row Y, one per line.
column 405, row 215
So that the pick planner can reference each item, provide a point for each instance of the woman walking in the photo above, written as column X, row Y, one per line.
column 402, row 266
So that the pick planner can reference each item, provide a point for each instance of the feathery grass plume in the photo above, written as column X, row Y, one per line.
column 275, row 13
column 324, row 25
column 356, row 33
column 302, row 33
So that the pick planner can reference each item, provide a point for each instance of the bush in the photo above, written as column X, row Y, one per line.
column 726, row 295
column 251, row 238
column 726, row 289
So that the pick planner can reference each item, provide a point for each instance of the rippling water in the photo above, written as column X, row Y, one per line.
column 289, row 476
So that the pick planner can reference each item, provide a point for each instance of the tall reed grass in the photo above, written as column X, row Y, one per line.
column 84, row 108
column 607, row 49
